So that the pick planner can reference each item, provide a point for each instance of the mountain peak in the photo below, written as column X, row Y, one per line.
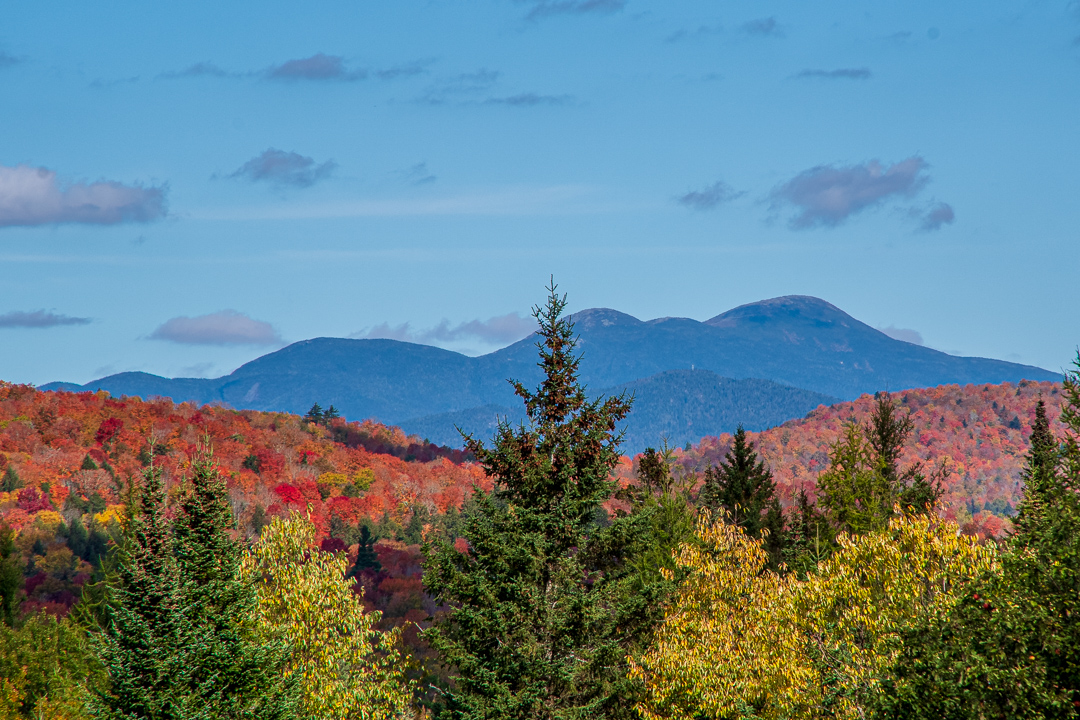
column 790, row 307
column 601, row 317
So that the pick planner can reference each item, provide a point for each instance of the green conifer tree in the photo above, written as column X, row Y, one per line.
column 315, row 414
column 140, row 646
column 1039, row 475
column 743, row 488
column 366, row 558
column 542, row 610
column 11, row 576
column 231, row 674
column 88, row 463
column 11, row 480
column 1010, row 646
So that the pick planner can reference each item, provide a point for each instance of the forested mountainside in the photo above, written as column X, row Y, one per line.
column 68, row 460
column 798, row 341
column 679, row 405
column 980, row 432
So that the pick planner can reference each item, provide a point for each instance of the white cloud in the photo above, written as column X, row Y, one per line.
column 827, row 195
column 35, row 196
column 227, row 327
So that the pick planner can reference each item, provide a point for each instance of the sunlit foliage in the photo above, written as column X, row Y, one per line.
column 743, row 641
column 348, row 669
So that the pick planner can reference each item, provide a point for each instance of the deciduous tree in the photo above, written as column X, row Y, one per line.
column 347, row 669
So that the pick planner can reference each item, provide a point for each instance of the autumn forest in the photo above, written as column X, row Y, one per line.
column 903, row 555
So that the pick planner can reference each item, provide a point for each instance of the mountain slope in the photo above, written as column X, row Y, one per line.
column 797, row 341
column 680, row 406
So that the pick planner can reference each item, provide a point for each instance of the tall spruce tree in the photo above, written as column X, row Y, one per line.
column 1039, row 474
column 542, row 613
column 743, row 488
column 231, row 674
column 141, row 644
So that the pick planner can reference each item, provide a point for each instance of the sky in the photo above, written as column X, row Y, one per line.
column 185, row 188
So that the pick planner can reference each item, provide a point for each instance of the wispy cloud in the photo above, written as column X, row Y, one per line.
column 496, row 330
column 709, row 197
column 35, row 196
column 7, row 61
column 763, row 27
column 418, row 174
column 227, row 327
column 464, row 86
column 410, row 69
column 838, row 74
column 827, row 195
column 937, row 216
column 284, row 168
column 38, row 319
column 699, row 32
column 199, row 69
column 548, row 8
column 530, row 99
column 317, row 67
column 907, row 335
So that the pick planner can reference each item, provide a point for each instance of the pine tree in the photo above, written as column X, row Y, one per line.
column 315, row 414
column 1040, row 473
column 330, row 414
column 11, row 576
column 886, row 432
column 11, row 480
column 88, row 463
column 542, row 614
column 366, row 558
column 231, row 674
column 743, row 488
column 141, row 645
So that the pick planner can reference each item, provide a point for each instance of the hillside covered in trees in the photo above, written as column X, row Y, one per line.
column 74, row 468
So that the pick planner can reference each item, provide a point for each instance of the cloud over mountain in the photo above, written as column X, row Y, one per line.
column 496, row 330
column 284, row 168
column 906, row 334
column 38, row 319
column 226, row 327
column 827, row 196
column 36, row 196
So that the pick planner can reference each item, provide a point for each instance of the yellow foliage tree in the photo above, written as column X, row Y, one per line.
column 742, row 641
column 347, row 669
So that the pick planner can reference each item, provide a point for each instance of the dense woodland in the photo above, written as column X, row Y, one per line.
column 286, row 566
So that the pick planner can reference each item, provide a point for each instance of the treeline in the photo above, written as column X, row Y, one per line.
column 559, row 591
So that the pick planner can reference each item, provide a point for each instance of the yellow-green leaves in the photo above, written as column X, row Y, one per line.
column 348, row 670
column 740, row 639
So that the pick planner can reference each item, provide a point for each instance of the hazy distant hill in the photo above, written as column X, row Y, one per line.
column 679, row 405
column 798, row 341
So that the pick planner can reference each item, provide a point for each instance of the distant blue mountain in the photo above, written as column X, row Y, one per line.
column 677, row 406
column 798, row 341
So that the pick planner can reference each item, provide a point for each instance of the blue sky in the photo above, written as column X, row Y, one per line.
column 184, row 189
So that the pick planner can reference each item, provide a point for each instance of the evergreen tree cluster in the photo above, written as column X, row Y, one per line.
column 321, row 417
column 174, row 642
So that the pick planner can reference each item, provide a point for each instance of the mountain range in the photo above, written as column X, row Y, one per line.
column 807, row 350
